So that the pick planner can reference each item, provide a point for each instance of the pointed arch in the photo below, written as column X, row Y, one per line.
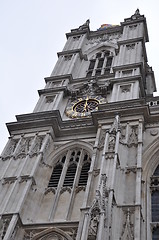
column 150, row 159
column 150, row 162
column 65, row 172
column 101, row 46
column 51, row 232
column 55, row 154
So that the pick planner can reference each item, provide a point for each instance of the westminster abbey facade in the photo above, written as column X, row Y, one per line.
column 84, row 165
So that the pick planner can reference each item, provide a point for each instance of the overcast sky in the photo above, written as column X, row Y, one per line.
column 33, row 31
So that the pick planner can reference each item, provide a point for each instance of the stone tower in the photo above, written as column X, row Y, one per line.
column 84, row 165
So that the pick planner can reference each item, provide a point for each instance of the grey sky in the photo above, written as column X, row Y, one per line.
column 33, row 31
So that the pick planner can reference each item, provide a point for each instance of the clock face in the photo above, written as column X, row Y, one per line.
column 86, row 105
column 82, row 107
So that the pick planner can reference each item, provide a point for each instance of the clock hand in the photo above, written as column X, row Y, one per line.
column 85, row 106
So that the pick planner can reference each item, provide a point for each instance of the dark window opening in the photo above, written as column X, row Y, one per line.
column 155, row 234
column 100, row 63
column 109, row 62
column 107, row 71
column 85, row 157
column 107, row 53
column 156, row 172
column 89, row 74
column 70, row 175
column 91, row 65
column 155, row 206
column 63, row 159
column 98, row 72
column 55, row 177
column 84, row 174
column 98, row 55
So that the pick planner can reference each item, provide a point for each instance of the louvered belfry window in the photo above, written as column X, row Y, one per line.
column 155, row 203
column 84, row 172
column 72, row 168
column 56, row 174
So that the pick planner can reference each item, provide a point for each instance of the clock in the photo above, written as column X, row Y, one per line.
column 82, row 107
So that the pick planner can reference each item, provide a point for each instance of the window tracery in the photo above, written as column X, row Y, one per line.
column 70, row 161
column 101, row 64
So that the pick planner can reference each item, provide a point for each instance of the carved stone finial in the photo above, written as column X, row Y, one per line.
column 116, row 124
column 137, row 12
column 85, row 25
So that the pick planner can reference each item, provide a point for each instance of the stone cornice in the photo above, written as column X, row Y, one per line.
column 69, row 52
column 129, row 108
column 52, row 90
column 58, row 78
column 75, row 32
column 130, row 40
column 52, row 119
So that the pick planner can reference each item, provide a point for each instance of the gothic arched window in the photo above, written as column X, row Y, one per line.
column 155, row 203
column 71, row 168
column 100, row 64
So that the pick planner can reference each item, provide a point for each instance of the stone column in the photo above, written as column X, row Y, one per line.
column 137, row 224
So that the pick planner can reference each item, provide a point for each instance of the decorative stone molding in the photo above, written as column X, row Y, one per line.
column 127, row 73
column 36, row 146
column 131, row 169
column 44, row 164
column 45, row 151
column 80, row 188
column 67, row 57
column 10, row 149
column 154, row 225
column 76, row 38
column 50, row 99
column 64, row 189
column 96, row 172
column 123, row 134
column 28, row 235
column 50, row 189
column 133, row 26
column 109, row 155
column 26, row 178
column 8, row 180
column 105, row 38
column 111, row 145
column 94, row 221
column 133, row 137
column 13, row 236
column 116, row 125
column 51, row 233
column 4, row 223
column 125, row 88
column 127, row 233
column 154, row 132
column 98, row 207
column 102, row 139
column 130, row 46
column 112, row 134
column 23, row 147
column 91, row 88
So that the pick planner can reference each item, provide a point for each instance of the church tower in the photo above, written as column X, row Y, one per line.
column 84, row 165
